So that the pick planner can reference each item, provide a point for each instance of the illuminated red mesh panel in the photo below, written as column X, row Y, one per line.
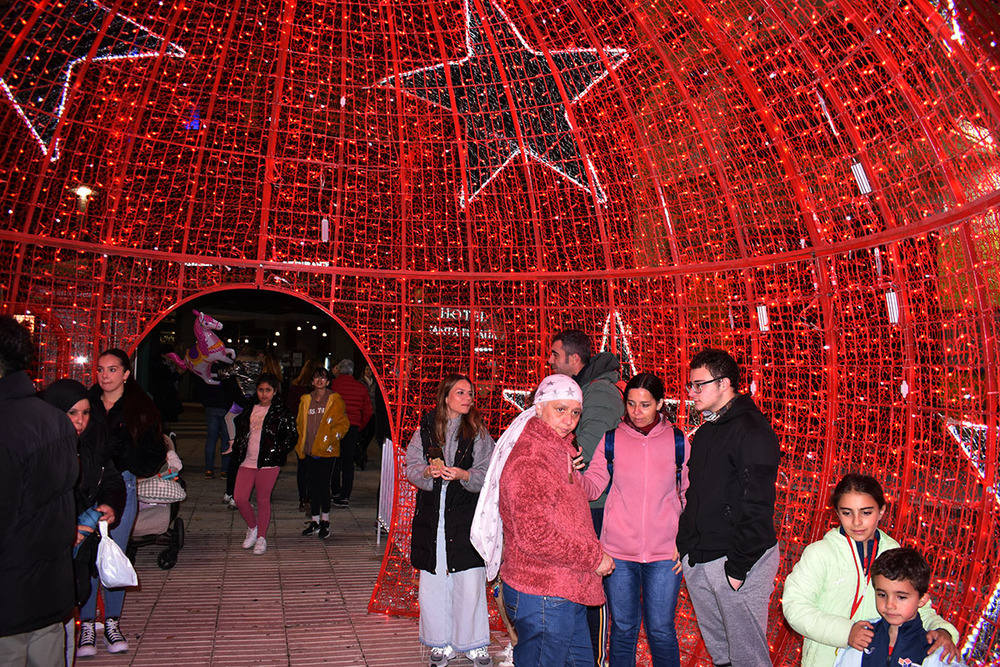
column 812, row 185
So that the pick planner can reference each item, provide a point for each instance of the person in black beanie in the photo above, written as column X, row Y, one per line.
column 100, row 489
column 100, row 486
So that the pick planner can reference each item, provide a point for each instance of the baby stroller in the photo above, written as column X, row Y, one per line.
column 158, row 522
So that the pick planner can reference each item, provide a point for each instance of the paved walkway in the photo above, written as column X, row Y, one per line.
column 304, row 602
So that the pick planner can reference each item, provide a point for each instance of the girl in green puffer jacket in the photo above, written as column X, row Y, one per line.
column 828, row 595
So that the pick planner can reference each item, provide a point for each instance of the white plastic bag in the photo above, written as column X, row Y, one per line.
column 114, row 567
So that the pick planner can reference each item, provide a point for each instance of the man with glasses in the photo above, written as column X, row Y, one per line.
column 726, row 535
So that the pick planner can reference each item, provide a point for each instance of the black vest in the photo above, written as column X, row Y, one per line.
column 460, row 507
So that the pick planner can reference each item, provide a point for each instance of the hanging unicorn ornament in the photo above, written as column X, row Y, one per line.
column 207, row 350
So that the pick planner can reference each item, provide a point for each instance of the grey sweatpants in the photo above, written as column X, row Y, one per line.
column 733, row 623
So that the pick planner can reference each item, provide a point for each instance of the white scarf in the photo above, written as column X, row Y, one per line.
column 487, row 527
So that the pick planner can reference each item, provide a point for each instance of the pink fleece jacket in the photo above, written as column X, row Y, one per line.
column 549, row 543
column 643, row 507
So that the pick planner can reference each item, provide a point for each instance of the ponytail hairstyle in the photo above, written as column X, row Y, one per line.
column 139, row 413
column 471, row 425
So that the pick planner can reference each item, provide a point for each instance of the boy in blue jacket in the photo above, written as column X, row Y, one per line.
column 901, row 578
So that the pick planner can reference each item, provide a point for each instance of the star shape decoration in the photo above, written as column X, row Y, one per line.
column 518, row 397
column 43, row 47
column 495, row 128
column 971, row 438
column 621, row 335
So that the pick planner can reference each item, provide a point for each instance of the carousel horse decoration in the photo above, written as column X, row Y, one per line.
column 207, row 350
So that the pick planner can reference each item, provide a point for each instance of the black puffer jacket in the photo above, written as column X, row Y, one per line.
column 100, row 483
column 730, row 500
column 278, row 435
column 38, row 469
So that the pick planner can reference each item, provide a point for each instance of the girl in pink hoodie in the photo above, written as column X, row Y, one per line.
column 645, row 499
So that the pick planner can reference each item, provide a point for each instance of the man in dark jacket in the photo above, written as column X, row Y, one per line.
column 726, row 534
column 603, row 408
column 358, row 405
column 38, row 469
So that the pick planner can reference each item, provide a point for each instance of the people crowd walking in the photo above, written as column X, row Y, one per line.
column 641, row 465
column 322, row 424
column 132, row 422
column 38, row 470
column 359, row 410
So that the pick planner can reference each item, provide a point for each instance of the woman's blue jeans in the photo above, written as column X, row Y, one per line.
column 551, row 631
column 215, row 431
column 643, row 592
column 114, row 598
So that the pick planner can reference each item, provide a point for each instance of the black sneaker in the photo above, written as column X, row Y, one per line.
column 340, row 502
column 86, row 645
column 324, row 530
column 113, row 637
column 311, row 529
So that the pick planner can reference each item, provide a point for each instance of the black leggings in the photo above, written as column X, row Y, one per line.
column 318, row 472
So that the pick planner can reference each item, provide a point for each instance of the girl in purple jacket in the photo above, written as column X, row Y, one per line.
column 645, row 499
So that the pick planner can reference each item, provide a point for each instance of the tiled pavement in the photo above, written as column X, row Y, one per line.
column 304, row 602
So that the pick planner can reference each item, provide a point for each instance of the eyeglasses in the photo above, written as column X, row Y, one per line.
column 695, row 387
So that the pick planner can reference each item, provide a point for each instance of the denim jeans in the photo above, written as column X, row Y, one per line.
column 551, row 631
column 114, row 598
column 216, row 432
column 643, row 592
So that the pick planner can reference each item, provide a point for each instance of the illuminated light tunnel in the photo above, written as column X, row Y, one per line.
column 813, row 185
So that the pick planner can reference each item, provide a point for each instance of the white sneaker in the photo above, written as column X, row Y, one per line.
column 251, row 537
column 260, row 546
column 440, row 656
column 480, row 657
column 508, row 656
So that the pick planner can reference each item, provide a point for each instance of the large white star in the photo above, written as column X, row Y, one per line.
column 44, row 45
column 509, row 98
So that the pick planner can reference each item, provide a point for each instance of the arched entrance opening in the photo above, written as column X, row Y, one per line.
column 259, row 327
